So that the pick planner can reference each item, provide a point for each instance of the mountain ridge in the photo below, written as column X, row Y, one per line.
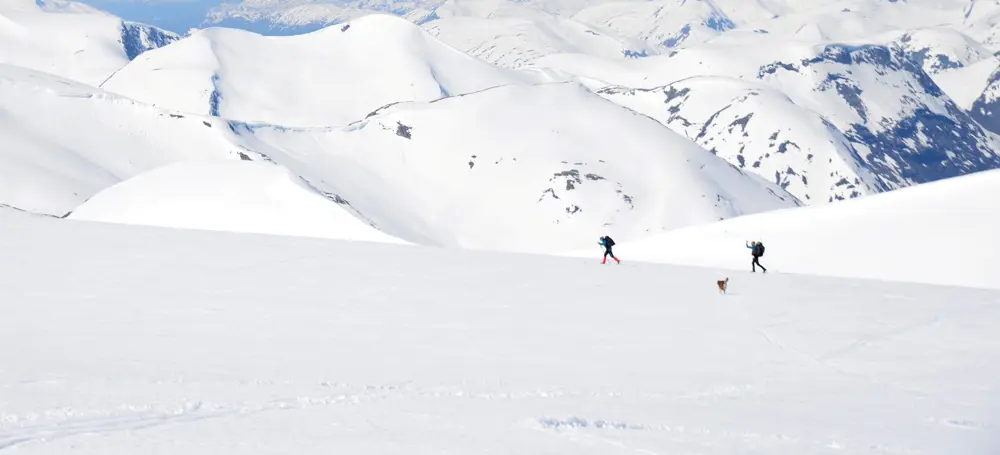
column 790, row 120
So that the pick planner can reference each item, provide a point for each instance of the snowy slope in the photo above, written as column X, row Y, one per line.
column 985, row 107
column 758, row 129
column 980, row 20
column 757, row 82
column 839, row 21
column 513, row 35
column 670, row 23
column 940, row 48
column 71, row 40
column 517, row 168
column 904, row 127
column 124, row 340
column 61, row 141
column 330, row 77
column 941, row 232
column 964, row 85
column 299, row 16
column 226, row 195
column 290, row 17
column 901, row 127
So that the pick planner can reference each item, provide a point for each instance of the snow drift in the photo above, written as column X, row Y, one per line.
column 226, row 195
column 941, row 232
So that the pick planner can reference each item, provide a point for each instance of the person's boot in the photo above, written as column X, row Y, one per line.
column 616, row 260
column 604, row 261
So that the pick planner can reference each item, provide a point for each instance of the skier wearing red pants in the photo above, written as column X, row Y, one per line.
column 607, row 243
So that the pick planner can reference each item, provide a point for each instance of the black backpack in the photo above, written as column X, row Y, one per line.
column 760, row 249
column 610, row 242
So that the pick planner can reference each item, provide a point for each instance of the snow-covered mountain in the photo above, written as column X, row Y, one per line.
column 71, row 149
column 939, row 49
column 503, row 168
column 759, row 129
column 828, row 122
column 866, row 116
column 72, row 40
column 62, row 141
column 822, row 111
column 513, row 35
column 524, row 168
column 669, row 23
column 986, row 107
column 290, row 17
column 330, row 77
column 967, row 83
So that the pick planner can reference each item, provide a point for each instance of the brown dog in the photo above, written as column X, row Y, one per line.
column 723, row 284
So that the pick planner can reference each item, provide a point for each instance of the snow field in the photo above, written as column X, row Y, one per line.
column 124, row 339
column 940, row 232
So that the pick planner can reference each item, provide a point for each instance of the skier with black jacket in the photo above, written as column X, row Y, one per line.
column 607, row 243
column 757, row 250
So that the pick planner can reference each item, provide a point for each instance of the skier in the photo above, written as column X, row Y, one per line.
column 757, row 250
column 607, row 243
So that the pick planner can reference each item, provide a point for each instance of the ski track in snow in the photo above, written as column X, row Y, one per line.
column 874, row 338
column 136, row 417
column 574, row 429
column 54, row 424
column 143, row 417
column 824, row 360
